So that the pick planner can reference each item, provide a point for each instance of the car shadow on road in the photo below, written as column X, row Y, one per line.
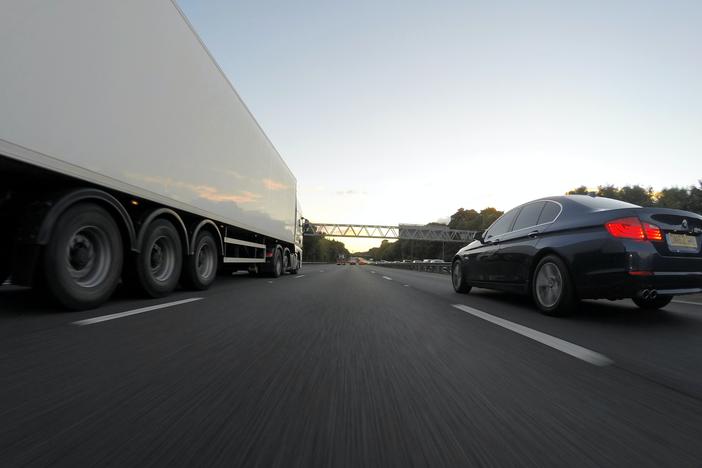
column 622, row 312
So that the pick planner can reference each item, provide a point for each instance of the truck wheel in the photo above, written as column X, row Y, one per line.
column 200, row 269
column 652, row 304
column 160, row 261
column 296, row 263
column 552, row 288
column 277, row 264
column 83, row 260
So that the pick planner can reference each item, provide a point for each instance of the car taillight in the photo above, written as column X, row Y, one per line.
column 633, row 228
column 653, row 232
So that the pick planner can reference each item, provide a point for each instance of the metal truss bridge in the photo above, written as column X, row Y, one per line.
column 403, row 231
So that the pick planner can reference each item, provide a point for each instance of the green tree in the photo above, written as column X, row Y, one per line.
column 637, row 195
column 609, row 191
column 320, row 249
column 487, row 217
column 463, row 219
column 673, row 197
column 582, row 190
column 695, row 203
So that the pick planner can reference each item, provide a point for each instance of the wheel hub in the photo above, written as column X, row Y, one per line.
column 81, row 252
column 549, row 285
column 88, row 256
column 156, row 256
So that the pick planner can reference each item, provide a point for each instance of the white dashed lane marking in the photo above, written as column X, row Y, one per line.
column 387, row 278
column 142, row 310
column 563, row 346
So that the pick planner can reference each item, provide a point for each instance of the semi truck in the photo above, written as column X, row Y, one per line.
column 127, row 156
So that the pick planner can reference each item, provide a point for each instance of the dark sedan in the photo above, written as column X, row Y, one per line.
column 566, row 248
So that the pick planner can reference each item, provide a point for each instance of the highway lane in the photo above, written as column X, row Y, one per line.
column 344, row 367
column 665, row 345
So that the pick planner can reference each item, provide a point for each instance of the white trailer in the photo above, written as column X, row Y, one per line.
column 126, row 153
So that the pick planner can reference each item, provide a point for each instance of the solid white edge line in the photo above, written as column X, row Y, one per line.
column 387, row 278
column 105, row 318
column 563, row 346
column 688, row 303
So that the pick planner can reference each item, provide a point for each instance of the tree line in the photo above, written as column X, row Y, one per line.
column 319, row 249
column 680, row 198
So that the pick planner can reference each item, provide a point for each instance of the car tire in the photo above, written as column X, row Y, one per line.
column 458, row 279
column 84, row 257
column 652, row 304
column 200, row 269
column 160, row 261
column 552, row 287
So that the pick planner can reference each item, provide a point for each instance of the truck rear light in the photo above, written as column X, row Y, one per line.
column 633, row 228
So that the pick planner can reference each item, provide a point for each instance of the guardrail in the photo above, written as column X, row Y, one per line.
column 444, row 268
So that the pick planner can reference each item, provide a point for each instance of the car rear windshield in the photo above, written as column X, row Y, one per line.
column 601, row 203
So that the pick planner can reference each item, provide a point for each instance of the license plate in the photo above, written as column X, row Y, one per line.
column 682, row 241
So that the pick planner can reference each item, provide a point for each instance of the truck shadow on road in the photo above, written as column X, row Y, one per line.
column 16, row 300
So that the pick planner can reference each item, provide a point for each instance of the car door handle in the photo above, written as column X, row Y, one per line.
column 534, row 234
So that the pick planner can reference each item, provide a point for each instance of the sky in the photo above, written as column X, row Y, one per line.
column 394, row 112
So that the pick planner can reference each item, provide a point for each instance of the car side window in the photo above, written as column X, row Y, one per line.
column 549, row 213
column 529, row 216
column 502, row 225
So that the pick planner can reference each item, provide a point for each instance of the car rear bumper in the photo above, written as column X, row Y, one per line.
column 623, row 284
column 625, row 268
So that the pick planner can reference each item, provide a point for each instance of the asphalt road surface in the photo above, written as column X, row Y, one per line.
column 347, row 366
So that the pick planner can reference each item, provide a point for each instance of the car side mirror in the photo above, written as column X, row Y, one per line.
column 479, row 236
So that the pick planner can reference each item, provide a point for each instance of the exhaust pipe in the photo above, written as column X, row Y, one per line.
column 648, row 294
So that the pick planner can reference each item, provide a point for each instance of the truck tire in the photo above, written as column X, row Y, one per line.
column 160, row 261
column 83, row 260
column 200, row 269
column 276, row 264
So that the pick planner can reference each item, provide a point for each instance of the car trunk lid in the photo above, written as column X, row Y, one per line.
column 681, row 231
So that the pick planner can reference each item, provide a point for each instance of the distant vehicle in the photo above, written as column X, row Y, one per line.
column 436, row 260
column 566, row 248
column 416, row 261
column 125, row 153
column 352, row 260
column 426, row 260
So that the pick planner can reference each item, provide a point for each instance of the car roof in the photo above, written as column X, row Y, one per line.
column 589, row 203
